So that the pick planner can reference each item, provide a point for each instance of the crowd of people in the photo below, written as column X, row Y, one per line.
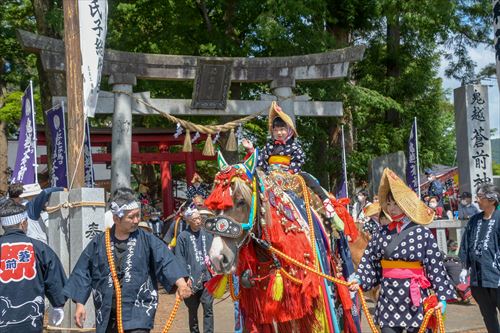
column 122, row 267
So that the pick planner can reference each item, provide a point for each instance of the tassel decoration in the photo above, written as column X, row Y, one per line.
column 173, row 242
column 217, row 285
column 187, row 147
column 208, row 150
column 275, row 287
column 231, row 144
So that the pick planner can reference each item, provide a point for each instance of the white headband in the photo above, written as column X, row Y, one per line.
column 120, row 211
column 189, row 212
column 489, row 195
column 13, row 219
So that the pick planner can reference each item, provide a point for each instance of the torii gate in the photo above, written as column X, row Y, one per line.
column 124, row 68
column 212, row 77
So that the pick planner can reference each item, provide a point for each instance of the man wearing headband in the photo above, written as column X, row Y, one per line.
column 480, row 255
column 141, row 261
column 192, row 249
column 29, row 270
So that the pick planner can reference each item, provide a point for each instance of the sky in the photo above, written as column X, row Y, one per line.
column 482, row 56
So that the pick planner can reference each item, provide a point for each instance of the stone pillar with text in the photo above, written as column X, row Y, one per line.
column 121, row 145
column 85, row 223
column 472, row 127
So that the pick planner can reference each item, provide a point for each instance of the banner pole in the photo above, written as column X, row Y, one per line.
column 65, row 143
column 418, row 162
column 89, row 145
column 344, row 166
column 35, row 165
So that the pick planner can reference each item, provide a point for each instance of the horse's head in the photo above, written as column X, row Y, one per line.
column 234, row 198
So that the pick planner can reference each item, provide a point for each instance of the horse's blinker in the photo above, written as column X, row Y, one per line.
column 223, row 226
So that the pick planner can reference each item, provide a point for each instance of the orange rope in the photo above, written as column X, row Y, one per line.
column 330, row 278
column 289, row 276
column 364, row 306
column 428, row 316
column 118, row 290
column 171, row 318
column 307, row 201
column 116, row 282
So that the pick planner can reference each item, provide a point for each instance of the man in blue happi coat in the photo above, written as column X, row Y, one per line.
column 480, row 255
column 141, row 260
column 29, row 270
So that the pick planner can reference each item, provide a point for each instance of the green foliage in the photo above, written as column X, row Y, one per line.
column 15, row 14
column 11, row 111
column 396, row 82
column 496, row 169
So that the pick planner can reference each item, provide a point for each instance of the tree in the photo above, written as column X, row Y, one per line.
column 15, row 71
column 396, row 81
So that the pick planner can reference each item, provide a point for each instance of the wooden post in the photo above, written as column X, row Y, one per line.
column 190, row 167
column 74, row 87
column 166, row 184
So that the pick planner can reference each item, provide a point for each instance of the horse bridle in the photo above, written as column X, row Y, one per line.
column 226, row 227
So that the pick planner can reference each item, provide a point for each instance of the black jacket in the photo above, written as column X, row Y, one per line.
column 29, row 270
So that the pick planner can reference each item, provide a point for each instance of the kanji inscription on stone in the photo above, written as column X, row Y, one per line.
column 211, row 84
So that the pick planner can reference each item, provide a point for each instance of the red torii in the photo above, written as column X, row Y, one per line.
column 145, row 137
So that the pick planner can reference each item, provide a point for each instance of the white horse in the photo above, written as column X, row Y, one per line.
column 16, row 314
column 147, row 297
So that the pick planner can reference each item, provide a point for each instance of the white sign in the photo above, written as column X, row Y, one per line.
column 93, row 16
column 479, row 136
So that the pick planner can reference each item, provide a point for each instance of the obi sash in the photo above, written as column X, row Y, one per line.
column 279, row 159
column 399, row 269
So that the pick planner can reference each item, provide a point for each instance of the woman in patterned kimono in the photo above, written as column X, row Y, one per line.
column 403, row 257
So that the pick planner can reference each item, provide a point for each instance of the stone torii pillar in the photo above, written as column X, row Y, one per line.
column 282, row 89
column 121, row 145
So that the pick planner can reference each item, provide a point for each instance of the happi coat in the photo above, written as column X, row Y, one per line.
column 29, row 271
column 395, row 307
column 192, row 249
column 147, row 262
column 480, row 250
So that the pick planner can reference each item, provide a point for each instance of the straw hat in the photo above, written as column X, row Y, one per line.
column 372, row 209
column 406, row 199
column 145, row 225
column 275, row 112
column 30, row 190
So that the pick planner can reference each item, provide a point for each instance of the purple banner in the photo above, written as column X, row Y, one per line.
column 342, row 189
column 412, row 165
column 55, row 120
column 87, row 158
column 25, row 168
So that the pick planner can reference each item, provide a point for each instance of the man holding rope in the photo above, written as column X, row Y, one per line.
column 122, row 268
column 403, row 257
